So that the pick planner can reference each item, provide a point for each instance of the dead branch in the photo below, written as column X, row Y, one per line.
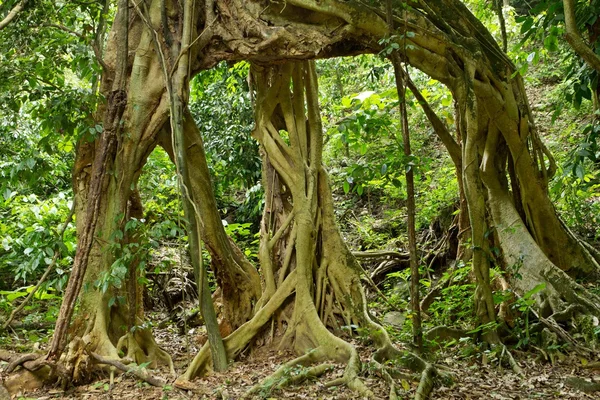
column 380, row 254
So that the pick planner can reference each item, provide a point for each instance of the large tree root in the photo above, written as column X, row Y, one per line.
column 284, row 376
column 140, row 373
column 142, row 348
column 239, row 339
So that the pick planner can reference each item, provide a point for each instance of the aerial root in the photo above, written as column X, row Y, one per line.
column 283, row 376
column 140, row 373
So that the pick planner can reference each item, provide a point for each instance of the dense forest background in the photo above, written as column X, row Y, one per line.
column 50, row 89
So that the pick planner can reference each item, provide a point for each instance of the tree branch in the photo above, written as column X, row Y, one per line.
column 12, row 14
column 574, row 37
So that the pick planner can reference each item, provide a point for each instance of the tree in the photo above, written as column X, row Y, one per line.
column 505, row 170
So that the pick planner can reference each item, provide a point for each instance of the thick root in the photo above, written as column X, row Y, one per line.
column 511, row 361
column 351, row 378
column 240, row 338
column 426, row 383
column 284, row 377
column 142, row 348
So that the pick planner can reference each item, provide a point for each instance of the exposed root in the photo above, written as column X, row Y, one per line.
column 13, row 364
column 553, row 326
column 140, row 373
column 387, row 377
column 582, row 384
column 351, row 378
column 142, row 348
column 511, row 361
column 240, row 338
column 309, row 373
column 284, row 375
column 444, row 333
column 426, row 383
column 592, row 365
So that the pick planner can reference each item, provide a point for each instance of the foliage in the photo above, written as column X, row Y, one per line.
column 455, row 305
column 29, row 231
column 221, row 105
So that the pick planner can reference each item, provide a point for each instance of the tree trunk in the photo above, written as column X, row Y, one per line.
column 301, row 245
column 505, row 170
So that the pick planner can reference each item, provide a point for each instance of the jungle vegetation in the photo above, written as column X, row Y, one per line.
column 299, row 157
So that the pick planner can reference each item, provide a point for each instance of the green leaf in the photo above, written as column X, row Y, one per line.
column 551, row 43
column 447, row 101
column 538, row 288
column 579, row 172
column 526, row 25
column 346, row 187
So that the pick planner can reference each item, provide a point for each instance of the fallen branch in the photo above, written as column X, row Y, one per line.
column 140, row 373
column 380, row 254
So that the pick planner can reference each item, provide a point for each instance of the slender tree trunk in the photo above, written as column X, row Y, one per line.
column 410, row 205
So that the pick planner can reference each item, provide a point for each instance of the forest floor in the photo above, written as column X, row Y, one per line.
column 476, row 375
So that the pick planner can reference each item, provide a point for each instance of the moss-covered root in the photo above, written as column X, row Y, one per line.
column 240, row 338
column 142, row 348
column 284, row 376
column 426, row 383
